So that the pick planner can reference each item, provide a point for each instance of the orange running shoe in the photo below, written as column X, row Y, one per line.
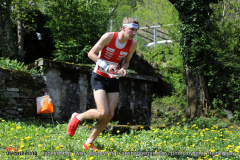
column 86, row 146
column 73, row 124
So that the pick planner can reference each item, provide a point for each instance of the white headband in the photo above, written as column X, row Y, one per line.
column 131, row 25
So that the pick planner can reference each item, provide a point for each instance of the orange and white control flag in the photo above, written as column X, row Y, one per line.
column 44, row 104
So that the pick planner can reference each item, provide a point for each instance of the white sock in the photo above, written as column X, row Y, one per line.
column 79, row 117
column 89, row 141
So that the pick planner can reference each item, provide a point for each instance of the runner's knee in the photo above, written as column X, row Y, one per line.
column 110, row 115
column 103, row 114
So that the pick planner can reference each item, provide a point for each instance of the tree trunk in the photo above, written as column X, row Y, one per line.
column 197, row 93
column 198, row 102
column 6, row 32
column 20, row 33
column 1, row 37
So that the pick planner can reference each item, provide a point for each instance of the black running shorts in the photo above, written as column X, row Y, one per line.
column 107, row 84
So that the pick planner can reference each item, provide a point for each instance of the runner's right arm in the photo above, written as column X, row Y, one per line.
column 103, row 41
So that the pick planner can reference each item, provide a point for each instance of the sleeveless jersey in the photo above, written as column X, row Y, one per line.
column 112, row 55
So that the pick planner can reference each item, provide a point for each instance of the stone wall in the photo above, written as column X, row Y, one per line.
column 70, row 89
column 18, row 92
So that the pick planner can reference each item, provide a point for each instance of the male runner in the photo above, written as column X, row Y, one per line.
column 112, row 48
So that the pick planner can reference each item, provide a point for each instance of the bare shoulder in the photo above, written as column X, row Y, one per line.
column 107, row 37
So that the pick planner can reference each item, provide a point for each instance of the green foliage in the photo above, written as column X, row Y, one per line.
column 157, row 12
column 169, row 64
column 76, row 27
column 204, row 122
column 20, row 66
column 196, row 29
column 174, row 142
column 210, row 43
column 12, row 64
column 223, row 73
column 236, row 117
column 168, row 109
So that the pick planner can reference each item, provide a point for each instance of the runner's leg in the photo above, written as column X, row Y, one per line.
column 112, row 100
column 102, row 106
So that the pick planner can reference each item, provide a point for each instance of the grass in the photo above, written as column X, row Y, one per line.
column 182, row 141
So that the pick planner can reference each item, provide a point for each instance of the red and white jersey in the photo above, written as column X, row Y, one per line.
column 112, row 55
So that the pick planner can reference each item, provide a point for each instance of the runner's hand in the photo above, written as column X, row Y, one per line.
column 122, row 71
column 112, row 69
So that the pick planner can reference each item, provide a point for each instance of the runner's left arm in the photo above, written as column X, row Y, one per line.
column 127, row 59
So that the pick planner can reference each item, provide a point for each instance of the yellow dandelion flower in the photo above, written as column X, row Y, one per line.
column 118, row 131
column 27, row 138
column 3, row 120
column 236, row 150
column 212, row 141
column 39, row 145
column 57, row 148
column 183, row 120
column 61, row 146
column 91, row 158
column 18, row 127
column 217, row 155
